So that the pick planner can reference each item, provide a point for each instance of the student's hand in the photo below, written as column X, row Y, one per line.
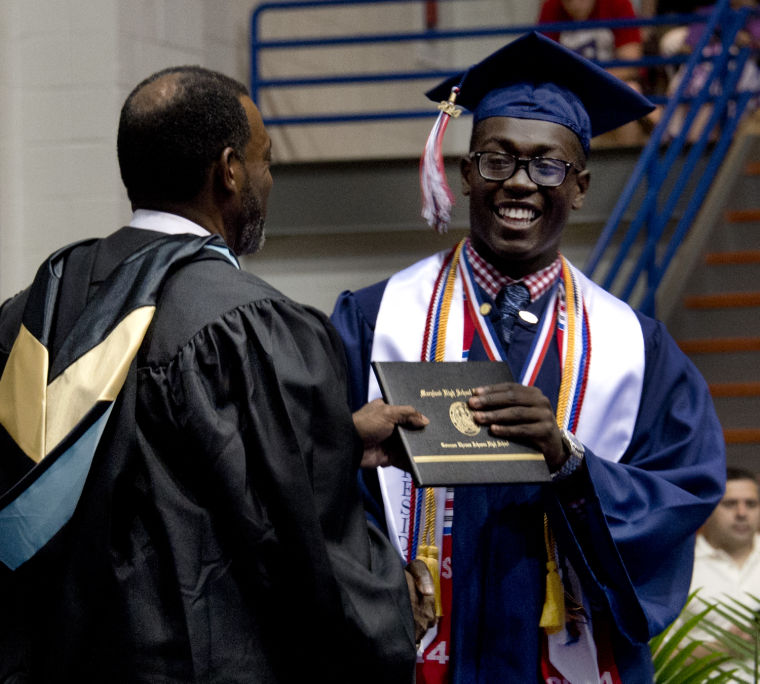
column 375, row 422
column 422, row 596
column 516, row 412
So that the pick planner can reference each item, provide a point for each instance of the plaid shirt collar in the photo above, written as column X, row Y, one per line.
column 538, row 283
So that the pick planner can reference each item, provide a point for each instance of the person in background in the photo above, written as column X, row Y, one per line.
column 684, row 40
column 569, row 578
column 656, row 78
column 597, row 44
column 727, row 553
column 206, row 524
column 601, row 44
column 727, row 569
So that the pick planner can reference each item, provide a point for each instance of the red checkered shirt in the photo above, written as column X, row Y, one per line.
column 492, row 281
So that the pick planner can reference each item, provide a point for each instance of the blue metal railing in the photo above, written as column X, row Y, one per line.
column 690, row 168
column 654, row 165
column 260, row 45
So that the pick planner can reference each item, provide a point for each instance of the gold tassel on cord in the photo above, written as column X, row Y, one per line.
column 429, row 556
column 427, row 551
column 553, row 614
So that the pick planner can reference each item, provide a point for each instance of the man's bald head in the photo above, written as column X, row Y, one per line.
column 173, row 126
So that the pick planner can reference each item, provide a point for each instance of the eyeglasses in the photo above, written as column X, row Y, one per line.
column 499, row 166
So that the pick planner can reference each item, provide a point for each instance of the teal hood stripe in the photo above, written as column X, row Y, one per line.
column 30, row 520
column 43, row 499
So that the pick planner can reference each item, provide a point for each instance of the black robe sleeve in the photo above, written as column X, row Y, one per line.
column 260, row 441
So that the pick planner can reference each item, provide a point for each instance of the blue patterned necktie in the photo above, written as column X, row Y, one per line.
column 510, row 300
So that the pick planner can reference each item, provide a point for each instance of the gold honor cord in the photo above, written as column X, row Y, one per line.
column 553, row 614
column 568, row 366
column 38, row 416
column 427, row 550
column 448, row 295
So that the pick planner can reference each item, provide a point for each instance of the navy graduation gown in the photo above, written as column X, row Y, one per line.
column 631, row 541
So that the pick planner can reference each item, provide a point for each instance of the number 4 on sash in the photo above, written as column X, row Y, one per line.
column 438, row 654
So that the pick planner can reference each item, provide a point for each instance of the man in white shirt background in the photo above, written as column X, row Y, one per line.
column 727, row 555
column 727, row 552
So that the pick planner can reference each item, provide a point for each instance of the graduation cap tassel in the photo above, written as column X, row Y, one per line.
column 437, row 198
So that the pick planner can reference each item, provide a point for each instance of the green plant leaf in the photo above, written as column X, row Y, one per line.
column 673, row 665
column 673, row 650
column 670, row 645
column 705, row 665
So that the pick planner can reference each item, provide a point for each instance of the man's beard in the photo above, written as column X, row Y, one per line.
column 248, row 227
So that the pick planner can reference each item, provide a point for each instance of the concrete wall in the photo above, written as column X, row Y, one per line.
column 66, row 67
column 58, row 99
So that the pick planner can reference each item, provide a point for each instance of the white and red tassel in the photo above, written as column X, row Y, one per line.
column 437, row 198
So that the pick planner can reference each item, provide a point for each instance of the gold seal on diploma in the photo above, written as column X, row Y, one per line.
column 461, row 417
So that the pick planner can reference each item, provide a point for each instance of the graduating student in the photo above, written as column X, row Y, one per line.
column 624, row 420
column 178, row 490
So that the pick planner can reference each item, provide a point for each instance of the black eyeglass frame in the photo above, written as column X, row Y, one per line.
column 521, row 163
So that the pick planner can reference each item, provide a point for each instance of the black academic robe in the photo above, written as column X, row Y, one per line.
column 220, row 536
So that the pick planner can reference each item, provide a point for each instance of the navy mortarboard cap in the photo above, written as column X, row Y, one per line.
column 534, row 77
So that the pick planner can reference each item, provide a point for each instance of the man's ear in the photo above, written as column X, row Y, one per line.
column 465, row 166
column 582, row 180
column 228, row 171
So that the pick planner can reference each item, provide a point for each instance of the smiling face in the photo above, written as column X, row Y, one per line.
column 515, row 224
